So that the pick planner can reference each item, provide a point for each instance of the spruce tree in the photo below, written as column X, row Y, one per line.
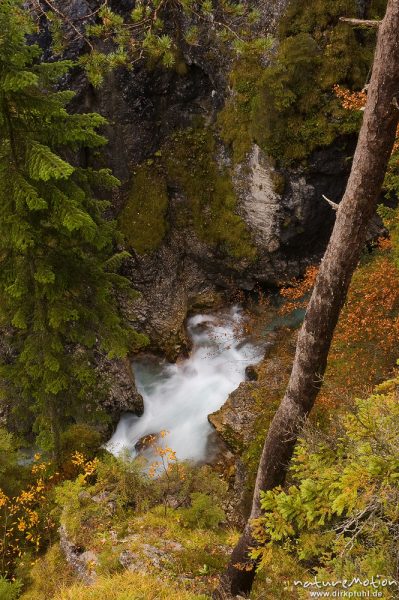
column 57, row 268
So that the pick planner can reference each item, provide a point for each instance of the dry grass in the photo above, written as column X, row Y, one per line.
column 129, row 586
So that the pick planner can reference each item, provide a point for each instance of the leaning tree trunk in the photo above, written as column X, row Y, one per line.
column 358, row 205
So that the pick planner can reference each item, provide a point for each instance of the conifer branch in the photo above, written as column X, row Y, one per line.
column 11, row 134
column 70, row 23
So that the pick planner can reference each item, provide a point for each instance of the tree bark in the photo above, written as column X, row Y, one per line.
column 357, row 207
column 53, row 412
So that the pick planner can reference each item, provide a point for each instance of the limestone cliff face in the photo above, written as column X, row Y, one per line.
column 261, row 202
column 285, row 210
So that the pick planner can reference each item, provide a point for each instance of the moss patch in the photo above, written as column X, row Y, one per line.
column 142, row 221
column 129, row 586
column 187, row 162
column 289, row 108
column 48, row 575
column 191, row 164
column 236, row 119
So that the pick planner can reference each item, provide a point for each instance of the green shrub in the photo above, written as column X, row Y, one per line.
column 181, row 480
column 117, row 488
column 124, row 477
column 339, row 516
column 203, row 512
column 9, row 590
column 297, row 111
column 82, row 438
column 289, row 107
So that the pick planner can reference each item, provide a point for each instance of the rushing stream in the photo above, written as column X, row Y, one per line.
column 178, row 397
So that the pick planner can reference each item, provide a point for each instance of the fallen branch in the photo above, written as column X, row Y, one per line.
column 361, row 22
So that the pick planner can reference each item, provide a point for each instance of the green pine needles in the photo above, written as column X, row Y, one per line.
column 154, row 32
column 58, row 285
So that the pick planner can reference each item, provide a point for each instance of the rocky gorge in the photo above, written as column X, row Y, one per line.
column 170, row 174
column 166, row 146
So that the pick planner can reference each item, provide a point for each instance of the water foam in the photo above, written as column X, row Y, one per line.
column 179, row 397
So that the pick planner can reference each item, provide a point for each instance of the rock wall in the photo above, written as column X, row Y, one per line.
column 243, row 420
column 283, row 210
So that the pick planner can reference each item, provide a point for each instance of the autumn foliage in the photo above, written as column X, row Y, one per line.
column 365, row 343
column 350, row 100
column 296, row 292
column 367, row 337
column 27, row 523
column 357, row 101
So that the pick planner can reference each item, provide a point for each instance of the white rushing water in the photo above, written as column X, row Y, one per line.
column 179, row 397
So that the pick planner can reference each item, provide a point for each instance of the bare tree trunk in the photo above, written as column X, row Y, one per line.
column 357, row 207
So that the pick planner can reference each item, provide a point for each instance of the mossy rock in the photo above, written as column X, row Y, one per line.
column 267, row 393
column 187, row 162
column 289, row 108
column 278, row 181
column 191, row 164
column 236, row 118
column 143, row 219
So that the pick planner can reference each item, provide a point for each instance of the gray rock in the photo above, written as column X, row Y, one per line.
column 84, row 497
column 173, row 546
column 251, row 373
column 122, row 394
column 101, row 497
column 82, row 563
column 261, row 204
column 235, row 420
column 155, row 555
column 131, row 561
column 146, row 441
